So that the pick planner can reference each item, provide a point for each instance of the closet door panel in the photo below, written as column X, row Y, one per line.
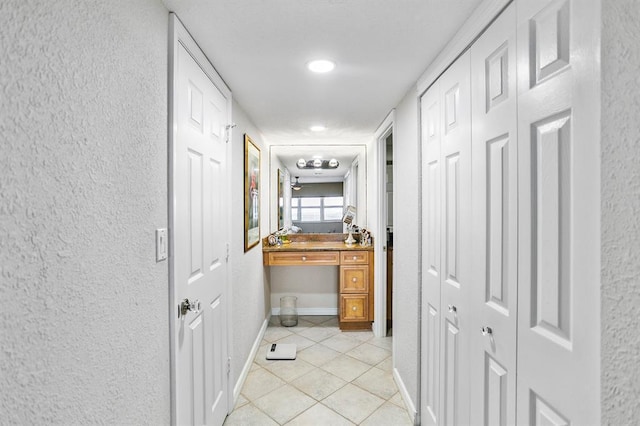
column 431, row 266
column 494, row 200
column 455, row 158
column 558, row 327
column 451, row 381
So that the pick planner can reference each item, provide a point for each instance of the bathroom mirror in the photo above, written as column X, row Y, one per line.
column 324, row 191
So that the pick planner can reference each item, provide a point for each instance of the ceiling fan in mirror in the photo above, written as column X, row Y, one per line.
column 296, row 186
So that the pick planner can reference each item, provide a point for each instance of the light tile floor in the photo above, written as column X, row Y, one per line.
column 338, row 378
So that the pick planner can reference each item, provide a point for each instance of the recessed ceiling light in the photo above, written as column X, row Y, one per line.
column 318, row 128
column 321, row 65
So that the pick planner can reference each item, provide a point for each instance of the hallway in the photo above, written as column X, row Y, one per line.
column 336, row 379
column 86, row 235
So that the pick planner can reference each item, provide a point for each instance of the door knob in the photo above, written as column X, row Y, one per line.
column 453, row 309
column 187, row 306
column 487, row 331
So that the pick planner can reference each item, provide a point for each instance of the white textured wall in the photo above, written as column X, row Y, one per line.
column 83, row 181
column 406, row 244
column 620, row 195
column 249, row 284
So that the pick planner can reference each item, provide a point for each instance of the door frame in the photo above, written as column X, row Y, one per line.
column 178, row 35
column 386, row 128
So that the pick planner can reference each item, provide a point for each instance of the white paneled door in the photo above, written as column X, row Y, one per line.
column 510, row 291
column 495, row 223
column 431, row 268
column 199, row 223
column 446, row 218
column 559, row 186
column 455, row 241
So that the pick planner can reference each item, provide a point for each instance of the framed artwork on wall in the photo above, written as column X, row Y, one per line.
column 251, row 193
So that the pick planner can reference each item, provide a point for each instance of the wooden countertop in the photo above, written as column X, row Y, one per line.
column 296, row 246
column 315, row 242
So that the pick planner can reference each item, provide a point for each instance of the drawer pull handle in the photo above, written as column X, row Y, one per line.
column 354, row 279
column 304, row 258
column 355, row 257
column 354, row 308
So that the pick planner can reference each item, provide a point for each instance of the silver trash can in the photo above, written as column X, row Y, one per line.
column 288, row 311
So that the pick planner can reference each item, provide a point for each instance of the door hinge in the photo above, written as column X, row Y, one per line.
column 227, row 258
column 228, row 128
column 228, row 366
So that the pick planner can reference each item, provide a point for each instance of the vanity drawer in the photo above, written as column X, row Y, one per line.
column 354, row 257
column 354, row 307
column 304, row 258
column 354, row 279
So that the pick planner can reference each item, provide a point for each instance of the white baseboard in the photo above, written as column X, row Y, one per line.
column 249, row 362
column 405, row 395
column 310, row 311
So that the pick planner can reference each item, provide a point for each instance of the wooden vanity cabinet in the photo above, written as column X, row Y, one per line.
column 355, row 266
column 356, row 290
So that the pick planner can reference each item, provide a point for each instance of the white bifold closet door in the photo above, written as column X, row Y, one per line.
column 455, row 284
column 511, row 234
column 446, row 109
column 431, row 270
column 559, row 235
column 495, row 224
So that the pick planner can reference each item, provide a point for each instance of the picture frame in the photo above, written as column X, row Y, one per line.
column 280, row 199
column 251, row 194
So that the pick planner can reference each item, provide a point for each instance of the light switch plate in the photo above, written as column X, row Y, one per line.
column 161, row 244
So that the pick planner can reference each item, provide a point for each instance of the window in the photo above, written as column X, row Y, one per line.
column 310, row 209
column 295, row 211
column 317, row 209
column 332, row 209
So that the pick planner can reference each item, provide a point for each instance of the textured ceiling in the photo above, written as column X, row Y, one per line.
column 260, row 48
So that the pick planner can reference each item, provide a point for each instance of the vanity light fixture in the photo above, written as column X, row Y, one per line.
column 317, row 128
column 321, row 65
column 317, row 163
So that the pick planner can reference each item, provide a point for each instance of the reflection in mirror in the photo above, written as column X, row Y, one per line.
column 280, row 199
column 317, row 207
column 323, row 192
